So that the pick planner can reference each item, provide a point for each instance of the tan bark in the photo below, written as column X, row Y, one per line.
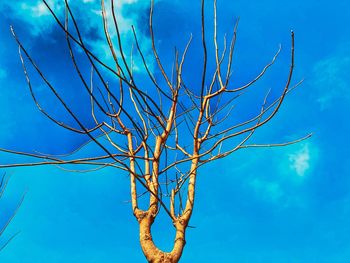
column 150, row 250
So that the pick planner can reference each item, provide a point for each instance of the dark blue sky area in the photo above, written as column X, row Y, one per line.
column 289, row 204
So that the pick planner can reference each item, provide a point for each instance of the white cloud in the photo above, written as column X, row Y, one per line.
column 33, row 13
column 331, row 79
column 300, row 160
column 124, row 24
column 37, row 10
column 39, row 21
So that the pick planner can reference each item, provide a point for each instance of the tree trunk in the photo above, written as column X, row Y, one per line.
column 151, row 252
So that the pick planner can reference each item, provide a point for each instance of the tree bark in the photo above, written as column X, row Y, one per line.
column 150, row 250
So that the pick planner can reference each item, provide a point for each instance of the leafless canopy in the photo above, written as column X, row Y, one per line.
column 160, row 134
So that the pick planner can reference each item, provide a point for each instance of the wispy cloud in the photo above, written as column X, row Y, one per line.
column 126, row 19
column 39, row 21
column 267, row 190
column 33, row 13
column 3, row 73
column 37, row 10
column 330, row 79
column 299, row 161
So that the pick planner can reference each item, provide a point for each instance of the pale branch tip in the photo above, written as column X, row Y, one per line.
column 3, row 184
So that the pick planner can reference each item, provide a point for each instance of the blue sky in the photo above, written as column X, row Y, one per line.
column 288, row 204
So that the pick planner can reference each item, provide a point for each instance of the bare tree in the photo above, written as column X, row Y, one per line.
column 160, row 141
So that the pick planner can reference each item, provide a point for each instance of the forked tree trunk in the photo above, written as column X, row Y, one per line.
column 150, row 250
